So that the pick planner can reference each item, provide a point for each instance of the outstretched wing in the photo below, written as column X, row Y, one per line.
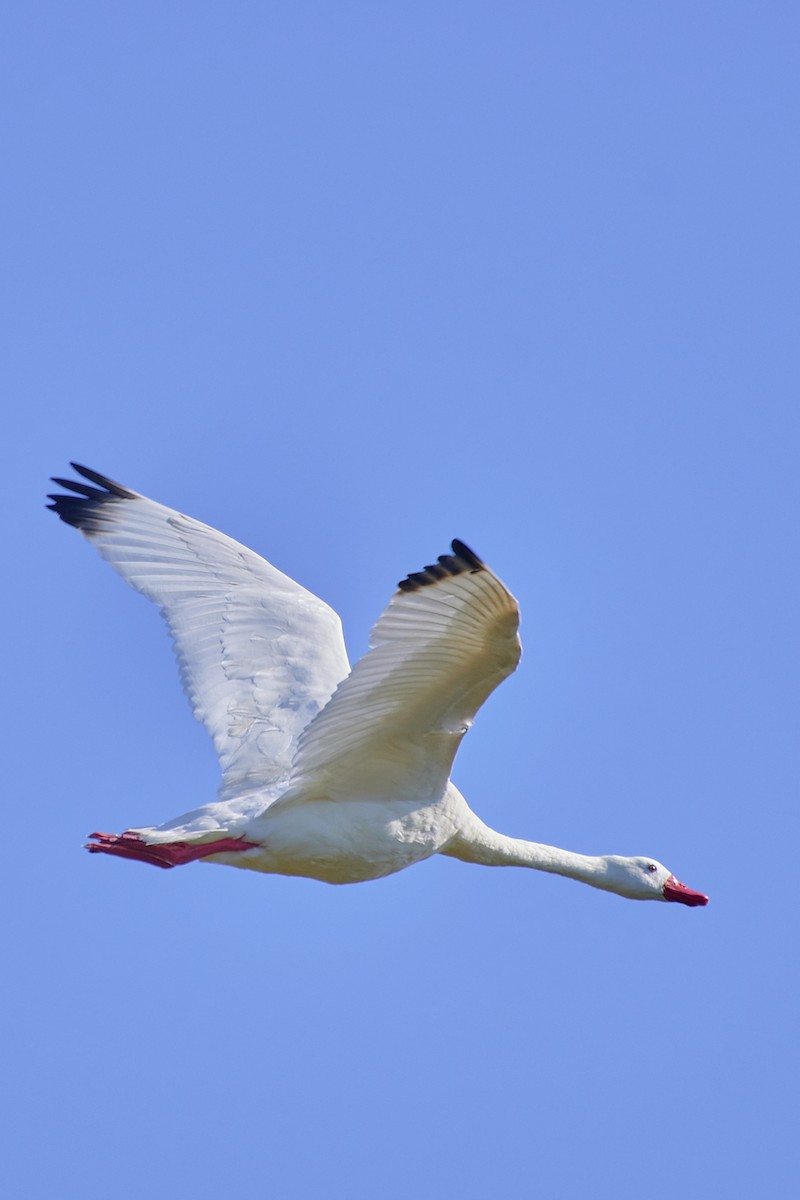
column 259, row 656
column 392, row 728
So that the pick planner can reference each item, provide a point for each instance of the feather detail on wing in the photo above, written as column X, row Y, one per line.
column 392, row 728
column 259, row 656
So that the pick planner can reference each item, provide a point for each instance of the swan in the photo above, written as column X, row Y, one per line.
column 336, row 774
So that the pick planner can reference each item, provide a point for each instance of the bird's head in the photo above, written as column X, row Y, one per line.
column 647, row 879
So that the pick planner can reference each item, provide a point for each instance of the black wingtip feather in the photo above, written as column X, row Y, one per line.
column 116, row 489
column 462, row 559
column 84, row 509
column 463, row 551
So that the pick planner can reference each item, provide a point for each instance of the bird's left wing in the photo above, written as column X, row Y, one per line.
column 259, row 656
column 392, row 728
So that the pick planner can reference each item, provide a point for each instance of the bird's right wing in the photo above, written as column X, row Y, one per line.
column 259, row 656
column 393, row 726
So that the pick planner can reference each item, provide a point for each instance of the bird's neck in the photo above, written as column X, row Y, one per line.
column 478, row 843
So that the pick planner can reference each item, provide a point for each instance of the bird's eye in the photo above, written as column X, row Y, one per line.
column 652, row 867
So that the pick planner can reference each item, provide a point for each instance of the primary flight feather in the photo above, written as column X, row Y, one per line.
column 338, row 774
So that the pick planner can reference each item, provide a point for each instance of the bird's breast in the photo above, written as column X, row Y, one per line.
column 347, row 841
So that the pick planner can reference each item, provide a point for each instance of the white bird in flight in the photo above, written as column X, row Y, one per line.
column 337, row 774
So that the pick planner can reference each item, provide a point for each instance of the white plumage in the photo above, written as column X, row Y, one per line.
column 337, row 774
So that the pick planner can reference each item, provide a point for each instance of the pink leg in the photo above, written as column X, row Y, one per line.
column 166, row 854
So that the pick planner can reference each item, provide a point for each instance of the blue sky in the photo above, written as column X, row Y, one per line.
column 346, row 281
